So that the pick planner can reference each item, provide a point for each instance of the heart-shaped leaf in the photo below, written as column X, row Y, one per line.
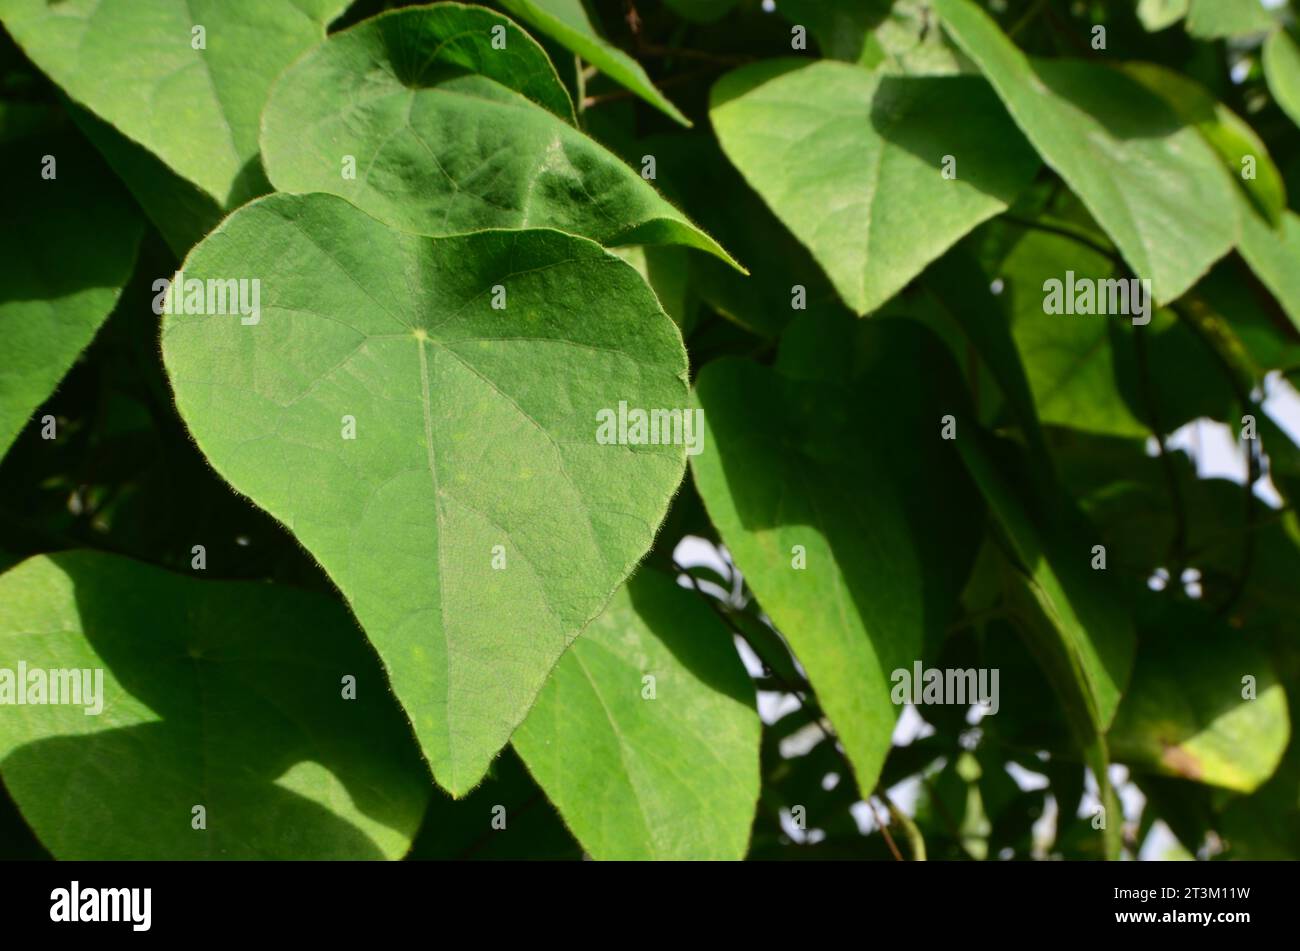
column 1148, row 178
column 417, row 118
column 230, row 696
column 67, row 245
column 877, row 175
column 475, row 523
column 193, row 92
column 856, row 549
column 646, row 737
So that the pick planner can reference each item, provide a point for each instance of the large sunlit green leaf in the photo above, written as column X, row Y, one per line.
column 855, row 548
column 197, row 109
column 225, row 695
column 645, row 737
column 854, row 164
column 67, row 245
column 567, row 22
column 447, row 134
column 1148, row 178
column 475, row 524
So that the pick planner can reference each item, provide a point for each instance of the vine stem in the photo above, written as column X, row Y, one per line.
column 1062, row 232
column 884, row 829
column 915, row 841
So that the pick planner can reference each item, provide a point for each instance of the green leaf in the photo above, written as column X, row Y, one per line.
column 1242, row 308
column 894, row 35
column 961, row 288
column 1158, row 15
column 1282, row 71
column 196, row 109
column 450, row 135
column 181, row 211
column 667, row 271
column 1068, row 358
column 1273, row 256
column 1186, row 714
column 853, row 163
column 1242, row 151
column 1148, row 179
column 475, row 439
column 67, row 245
column 1266, row 824
column 1077, row 628
column 1071, row 620
column 1220, row 19
column 671, row 774
column 694, row 171
column 792, row 471
column 566, row 22
column 226, row 695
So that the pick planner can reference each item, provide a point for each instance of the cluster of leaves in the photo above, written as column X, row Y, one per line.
column 370, row 529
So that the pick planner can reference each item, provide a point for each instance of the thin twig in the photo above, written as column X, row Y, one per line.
column 1029, row 14
column 884, row 830
column 735, row 630
column 580, row 79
